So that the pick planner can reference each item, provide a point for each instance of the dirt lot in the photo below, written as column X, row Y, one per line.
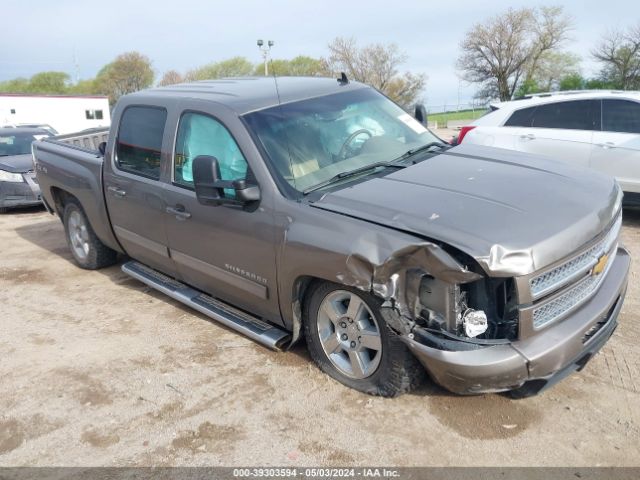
column 97, row 369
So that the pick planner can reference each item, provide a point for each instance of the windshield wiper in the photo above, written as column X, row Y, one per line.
column 352, row 173
column 413, row 151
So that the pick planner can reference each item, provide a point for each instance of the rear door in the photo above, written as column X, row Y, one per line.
column 616, row 149
column 226, row 251
column 132, row 185
column 561, row 130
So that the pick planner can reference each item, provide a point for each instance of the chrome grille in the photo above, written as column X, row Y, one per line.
column 576, row 267
column 562, row 305
column 572, row 298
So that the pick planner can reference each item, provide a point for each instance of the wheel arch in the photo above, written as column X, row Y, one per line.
column 302, row 287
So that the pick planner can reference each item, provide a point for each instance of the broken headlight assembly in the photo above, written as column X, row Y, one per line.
column 480, row 310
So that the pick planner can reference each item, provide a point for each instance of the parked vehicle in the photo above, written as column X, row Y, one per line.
column 43, row 126
column 18, row 185
column 306, row 207
column 597, row 129
column 61, row 113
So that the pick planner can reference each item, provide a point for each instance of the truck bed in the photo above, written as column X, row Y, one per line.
column 88, row 139
column 64, row 168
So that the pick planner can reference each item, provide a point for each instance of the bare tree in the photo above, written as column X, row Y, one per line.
column 170, row 77
column 553, row 67
column 619, row 53
column 506, row 50
column 376, row 65
column 550, row 28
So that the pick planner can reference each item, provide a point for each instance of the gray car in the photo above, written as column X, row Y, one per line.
column 18, row 185
column 319, row 209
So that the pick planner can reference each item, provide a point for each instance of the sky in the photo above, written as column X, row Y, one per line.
column 43, row 35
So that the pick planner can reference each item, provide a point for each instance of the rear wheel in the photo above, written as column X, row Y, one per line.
column 87, row 249
column 350, row 341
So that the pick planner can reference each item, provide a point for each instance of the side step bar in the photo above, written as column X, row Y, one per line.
column 262, row 332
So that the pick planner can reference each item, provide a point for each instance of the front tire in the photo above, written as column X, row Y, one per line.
column 350, row 341
column 87, row 249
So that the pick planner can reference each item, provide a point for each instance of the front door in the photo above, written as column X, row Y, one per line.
column 226, row 251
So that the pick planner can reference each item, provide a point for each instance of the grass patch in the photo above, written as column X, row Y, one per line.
column 443, row 118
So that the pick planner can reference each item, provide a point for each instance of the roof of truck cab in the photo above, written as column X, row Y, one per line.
column 247, row 94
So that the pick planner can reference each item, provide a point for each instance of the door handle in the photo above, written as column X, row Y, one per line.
column 117, row 191
column 179, row 212
column 607, row 145
column 528, row 136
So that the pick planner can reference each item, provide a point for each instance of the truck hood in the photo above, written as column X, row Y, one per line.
column 16, row 163
column 514, row 213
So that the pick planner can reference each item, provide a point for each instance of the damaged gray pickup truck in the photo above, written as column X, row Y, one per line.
column 316, row 208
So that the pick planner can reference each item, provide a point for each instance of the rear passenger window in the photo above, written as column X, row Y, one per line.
column 574, row 115
column 139, row 141
column 620, row 116
column 521, row 118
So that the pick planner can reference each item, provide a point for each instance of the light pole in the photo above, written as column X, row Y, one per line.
column 265, row 53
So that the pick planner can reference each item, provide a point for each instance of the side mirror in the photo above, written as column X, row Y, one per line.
column 421, row 114
column 210, row 189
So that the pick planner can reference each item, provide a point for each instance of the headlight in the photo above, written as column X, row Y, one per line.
column 474, row 322
column 10, row 177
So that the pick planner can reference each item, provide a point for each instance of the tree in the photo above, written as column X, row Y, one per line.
column 306, row 66
column 619, row 54
column 376, row 65
column 16, row 85
column 128, row 73
column 598, row 84
column 171, row 77
column 553, row 67
column 299, row 66
column 43, row 82
column 85, row 87
column 233, row 67
column 507, row 50
column 573, row 81
column 49, row 82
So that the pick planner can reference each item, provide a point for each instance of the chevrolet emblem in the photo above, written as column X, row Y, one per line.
column 602, row 262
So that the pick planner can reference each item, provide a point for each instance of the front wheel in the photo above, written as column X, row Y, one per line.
column 350, row 341
column 87, row 249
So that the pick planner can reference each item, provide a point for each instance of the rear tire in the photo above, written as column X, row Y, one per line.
column 87, row 249
column 354, row 345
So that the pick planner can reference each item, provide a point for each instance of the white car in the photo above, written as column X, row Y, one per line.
column 592, row 128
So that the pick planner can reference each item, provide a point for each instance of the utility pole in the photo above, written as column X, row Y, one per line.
column 76, row 66
column 265, row 53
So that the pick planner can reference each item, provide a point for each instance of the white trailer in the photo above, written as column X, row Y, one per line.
column 65, row 113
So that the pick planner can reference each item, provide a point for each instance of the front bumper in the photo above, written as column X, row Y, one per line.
column 24, row 194
column 535, row 363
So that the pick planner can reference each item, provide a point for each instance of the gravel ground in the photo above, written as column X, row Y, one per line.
column 97, row 369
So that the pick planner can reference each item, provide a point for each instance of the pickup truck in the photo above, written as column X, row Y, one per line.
column 312, row 208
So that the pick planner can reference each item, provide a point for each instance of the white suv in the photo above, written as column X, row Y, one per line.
column 597, row 129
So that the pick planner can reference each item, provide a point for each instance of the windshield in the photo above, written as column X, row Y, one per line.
column 312, row 141
column 18, row 143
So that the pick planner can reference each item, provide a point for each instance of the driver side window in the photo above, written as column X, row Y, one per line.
column 199, row 134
